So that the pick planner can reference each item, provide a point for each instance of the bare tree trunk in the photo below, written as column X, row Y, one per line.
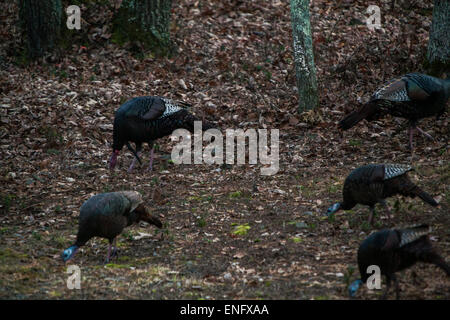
column 439, row 44
column 146, row 22
column 303, row 55
column 41, row 21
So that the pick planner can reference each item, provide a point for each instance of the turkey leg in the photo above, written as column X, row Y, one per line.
column 414, row 128
column 425, row 134
column 383, row 202
column 109, row 253
column 372, row 213
column 138, row 151
column 151, row 156
column 388, row 286
column 114, row 253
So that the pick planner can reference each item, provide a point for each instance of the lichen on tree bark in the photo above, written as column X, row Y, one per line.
column 303, row 55
column 146, row 22
column 439, row 44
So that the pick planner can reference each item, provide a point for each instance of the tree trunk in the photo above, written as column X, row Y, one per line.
column 439, row 44
column 41, row 21
column 146, row 23
column 303, row 55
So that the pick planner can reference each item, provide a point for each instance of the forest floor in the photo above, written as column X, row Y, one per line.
column 229, row 232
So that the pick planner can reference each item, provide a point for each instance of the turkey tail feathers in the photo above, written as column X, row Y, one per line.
column 426, row 197
column 356, row 116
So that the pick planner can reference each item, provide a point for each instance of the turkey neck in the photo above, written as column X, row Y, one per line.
column 132, row 218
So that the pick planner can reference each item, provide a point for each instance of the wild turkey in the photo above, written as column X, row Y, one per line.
column 145, row 119
column 106, row 215
column 394, row 250
column 413, row 96
column 373, row 183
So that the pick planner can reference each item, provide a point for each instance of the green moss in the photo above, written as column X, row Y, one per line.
column 130, row 27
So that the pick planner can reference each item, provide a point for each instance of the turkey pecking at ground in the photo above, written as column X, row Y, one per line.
column 145, row 119
column 413, row 96
column 394, row 250
column 106, row 215
column 373, row 183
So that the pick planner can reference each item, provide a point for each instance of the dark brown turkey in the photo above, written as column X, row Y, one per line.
column 394, row 250
column 106, row 215
column 145, row 119
column 413, row 96
column 373, row 183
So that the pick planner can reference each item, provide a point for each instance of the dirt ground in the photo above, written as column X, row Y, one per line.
column 229, row 232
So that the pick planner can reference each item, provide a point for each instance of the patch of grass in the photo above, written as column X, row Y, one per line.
column 201, row 222
column 194, row 198
column 354, row 143
column 123, row 259
column 241, row 230
column 60, row 241
column 348, row 275
column 236, row 194
column 365, row 226
column 53, row 151
column 9, row 256
column 268, row 74
column 127, row 235
column 36, row 235
column 306, row 191
column 7, row 201
column 117, row 266
column 55, row 294
column 335, row 188
column 297, row 239
column 331, row 218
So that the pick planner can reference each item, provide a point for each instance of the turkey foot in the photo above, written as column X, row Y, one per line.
column 425, row 134
column 414, row 128
column 133, row 163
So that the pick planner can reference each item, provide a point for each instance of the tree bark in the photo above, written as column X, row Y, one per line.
column 146, row 22
column 303, row 55
column 439, row 44
column 41, row 21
